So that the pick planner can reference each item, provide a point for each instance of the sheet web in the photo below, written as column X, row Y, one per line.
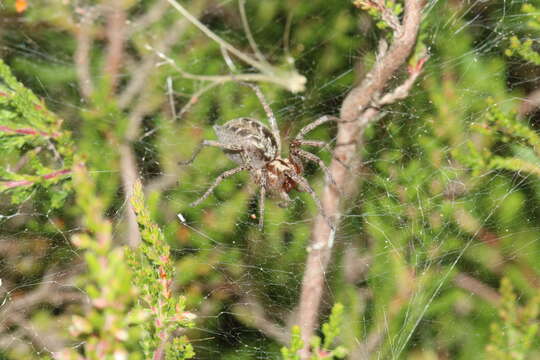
column 424, row 239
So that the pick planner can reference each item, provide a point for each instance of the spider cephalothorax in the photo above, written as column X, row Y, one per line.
column 257, row 149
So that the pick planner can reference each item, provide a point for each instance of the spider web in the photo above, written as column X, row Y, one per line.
column 422, row 243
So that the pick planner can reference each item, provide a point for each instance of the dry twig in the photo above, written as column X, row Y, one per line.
column 54, row 290
column 356, row 113
column 116, row 29
column 290, row 80
column 82, row 53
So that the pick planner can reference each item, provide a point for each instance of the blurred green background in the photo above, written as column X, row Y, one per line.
column 448, row 200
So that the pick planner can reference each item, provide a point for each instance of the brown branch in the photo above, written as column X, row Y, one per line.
column 129, row 174
column 195, row 98
column 355, row 117
column 154, row 14
column 50, row 291
column 117, row 35
column 530, row 103
column 145, row 68
column 402, row 91
column 116, row 28
column 478, row 288
column 128, row 162
column 253, row 314
column 364, row 350
column 82, row 53
column 291, row 80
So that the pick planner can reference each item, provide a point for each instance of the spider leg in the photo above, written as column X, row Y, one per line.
column 322, row 120
column 268, row 111
column 209, row 143
column 304, row 185
column 315, row 143
column 316, row 159
column 262, row 196
column 218, row 180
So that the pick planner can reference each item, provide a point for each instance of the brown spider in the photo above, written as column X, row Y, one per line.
column 257, row 149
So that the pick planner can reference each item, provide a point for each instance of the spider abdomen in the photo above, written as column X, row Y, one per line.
column 259, row 144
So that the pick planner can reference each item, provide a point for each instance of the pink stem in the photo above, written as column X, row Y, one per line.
column 12, row 184
column 28, row 131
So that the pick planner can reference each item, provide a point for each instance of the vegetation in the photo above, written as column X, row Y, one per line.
column 435, row 253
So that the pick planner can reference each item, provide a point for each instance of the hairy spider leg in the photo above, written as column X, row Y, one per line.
column 312, row 157
column 262, row 197
column 319, row 144
column 213, row 143
column 269, row 113
column 322, row 120
column 304, row 185
column 218, row 180
column 315, row 143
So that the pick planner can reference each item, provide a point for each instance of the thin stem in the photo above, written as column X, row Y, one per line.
column 247, row 30
column 49, row 176
column 293, row 81
column 215, row 37
column 29, row 131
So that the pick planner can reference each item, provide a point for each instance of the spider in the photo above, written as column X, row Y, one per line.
column 257, row 149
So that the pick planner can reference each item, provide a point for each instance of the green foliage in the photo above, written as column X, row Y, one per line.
column 420, row 220
column 106, row 328
column 291, row 353
column 524, row 48
column 37, row 152
column 154, row 273
column 374, row 9
column 513, row 335
column 320, row 348
column 507, row 129
column 109, row 284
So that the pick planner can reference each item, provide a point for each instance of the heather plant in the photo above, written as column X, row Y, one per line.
column 435, row 158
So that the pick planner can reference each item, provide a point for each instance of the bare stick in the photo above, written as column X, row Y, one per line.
column 290, row 80
column 252, row 313
column 477, row 287
column 402, row 91
column 529, row 103
column 281, row 81
column 116, row 25
column 195, row 97
column 129, row 174
column 144, row 69
column 350, row 134
column 154, row 14
column 82, row 54
column 247, row 30
column 170, row 94
column 14, row 312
